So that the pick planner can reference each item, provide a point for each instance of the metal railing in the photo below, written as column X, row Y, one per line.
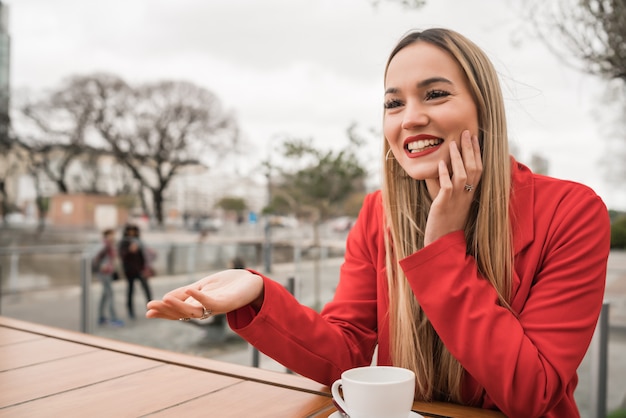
column 186, row 258
column 34, row 268
column 599, row 364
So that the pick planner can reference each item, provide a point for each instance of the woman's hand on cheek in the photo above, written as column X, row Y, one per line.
column 450, row 208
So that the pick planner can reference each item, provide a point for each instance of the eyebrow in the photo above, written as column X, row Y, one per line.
column 422, row 84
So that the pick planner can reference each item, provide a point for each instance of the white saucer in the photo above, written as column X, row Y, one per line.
column 413, row 414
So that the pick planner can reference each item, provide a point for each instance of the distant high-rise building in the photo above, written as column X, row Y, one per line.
column 5, row 65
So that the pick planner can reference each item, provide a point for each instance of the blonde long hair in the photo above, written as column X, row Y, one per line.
column 414, row 342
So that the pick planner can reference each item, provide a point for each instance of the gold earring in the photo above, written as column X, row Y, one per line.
column 387, row 155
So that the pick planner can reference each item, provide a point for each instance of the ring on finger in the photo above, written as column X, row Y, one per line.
column 205, row 313
column 184, row 319
column 468, row 187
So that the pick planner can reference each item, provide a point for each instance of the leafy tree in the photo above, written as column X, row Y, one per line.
column 618, row 233
column 236, row 204
column 233, row 204
column 614, row 214
column 352, row 205
column 318, row 184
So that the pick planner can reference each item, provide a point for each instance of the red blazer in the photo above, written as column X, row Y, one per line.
column 523, row 362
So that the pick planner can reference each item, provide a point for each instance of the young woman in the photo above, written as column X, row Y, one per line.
column 104, row 265
column 485, row 279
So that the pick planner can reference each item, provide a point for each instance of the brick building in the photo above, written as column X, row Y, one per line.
column 86, row 211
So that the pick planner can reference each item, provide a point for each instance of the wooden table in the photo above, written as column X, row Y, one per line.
column 51, row 372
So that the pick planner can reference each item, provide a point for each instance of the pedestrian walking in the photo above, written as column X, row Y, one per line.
column 104, row 265
column 136, row 261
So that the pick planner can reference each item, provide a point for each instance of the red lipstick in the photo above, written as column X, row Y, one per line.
column 422, row 137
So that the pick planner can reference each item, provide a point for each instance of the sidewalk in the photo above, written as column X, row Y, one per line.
column 61, row 308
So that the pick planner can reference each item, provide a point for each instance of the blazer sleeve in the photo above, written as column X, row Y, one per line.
column 320, row 345
column 524, row 360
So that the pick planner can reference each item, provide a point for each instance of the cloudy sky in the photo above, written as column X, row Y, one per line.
column 310, row 68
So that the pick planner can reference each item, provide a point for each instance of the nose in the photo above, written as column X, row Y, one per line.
column 414, row 115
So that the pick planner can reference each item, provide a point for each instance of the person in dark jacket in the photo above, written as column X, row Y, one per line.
column 135, row 263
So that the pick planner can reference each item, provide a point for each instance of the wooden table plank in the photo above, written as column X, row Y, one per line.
column 251, row 399
column 55, row 372
column 134, row 395
column 229, row 369
column 38, row 351
column 12, row 336
column 53, row 377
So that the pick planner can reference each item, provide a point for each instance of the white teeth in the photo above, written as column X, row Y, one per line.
column 422, row 144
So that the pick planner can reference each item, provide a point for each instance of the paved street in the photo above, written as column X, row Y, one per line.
column 61, row 308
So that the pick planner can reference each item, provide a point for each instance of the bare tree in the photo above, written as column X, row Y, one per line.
column 610, row 117
column 589, row 35
column 35, row 163
column 156, row 129
column 54, row 128
column 151, row 130
column 6, row 163
column 10, row 164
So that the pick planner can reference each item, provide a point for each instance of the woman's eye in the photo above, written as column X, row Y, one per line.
column 390, row 104
column 436, row 94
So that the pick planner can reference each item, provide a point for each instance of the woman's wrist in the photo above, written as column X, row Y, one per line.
column 257, row 303
column 256, row 282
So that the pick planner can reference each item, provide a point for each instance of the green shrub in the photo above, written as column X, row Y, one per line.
column 620, row 413
column 618, row 233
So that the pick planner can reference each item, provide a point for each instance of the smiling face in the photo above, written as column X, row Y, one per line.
column 428, row 105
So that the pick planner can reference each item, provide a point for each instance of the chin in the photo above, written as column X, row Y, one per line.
column 416, row 174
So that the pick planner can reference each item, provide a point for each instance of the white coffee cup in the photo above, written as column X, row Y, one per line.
column 375, row 392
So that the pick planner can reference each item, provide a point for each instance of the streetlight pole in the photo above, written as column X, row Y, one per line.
column 267, row 247
column 267, row 241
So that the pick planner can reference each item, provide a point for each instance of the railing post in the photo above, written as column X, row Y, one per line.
column 169, row 263
column 267, row 247
column 255, row 357
column 599, row 357
column 297, row 266
column 192, row 251
column 85, row 292
column 14, row 270
column 290, row 286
